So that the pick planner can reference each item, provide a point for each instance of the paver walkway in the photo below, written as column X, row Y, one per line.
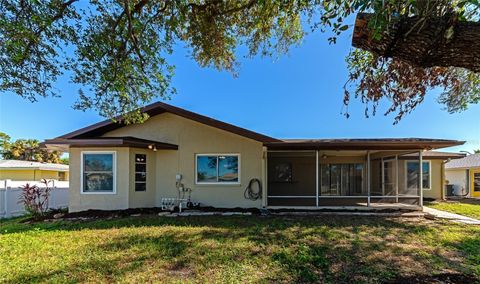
column 451, row 216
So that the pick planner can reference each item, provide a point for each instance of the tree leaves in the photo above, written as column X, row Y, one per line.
column 117, row 51
column 26, row 150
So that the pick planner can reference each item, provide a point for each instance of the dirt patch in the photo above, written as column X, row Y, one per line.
column 446, row 278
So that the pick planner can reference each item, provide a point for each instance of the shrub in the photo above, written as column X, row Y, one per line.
column 35, row 199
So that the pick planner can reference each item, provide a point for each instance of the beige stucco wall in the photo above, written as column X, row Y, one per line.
column 197, row 138
column 163, row 165
column 103, row 201
column 28, row 175
column 436, row 180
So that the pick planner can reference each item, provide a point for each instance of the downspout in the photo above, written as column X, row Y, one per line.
column 442, row 182
column 264, row 177
column 420, row 163
column 368, row 179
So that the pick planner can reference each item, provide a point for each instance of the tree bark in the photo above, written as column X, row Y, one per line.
column 442, row 42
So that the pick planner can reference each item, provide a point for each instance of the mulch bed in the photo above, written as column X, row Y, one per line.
column 109, row 214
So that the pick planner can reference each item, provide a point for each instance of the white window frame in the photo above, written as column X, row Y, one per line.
column 218, row 183
column 420, row 168
column 114, row 170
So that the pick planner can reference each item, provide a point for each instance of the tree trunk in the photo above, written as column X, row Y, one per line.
column 441, row 42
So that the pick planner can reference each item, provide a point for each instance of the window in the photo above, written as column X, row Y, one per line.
column 98, row 172
column 283, row 172
column 341, row 180
column 140, row 172
column 217, row 169
column 413, row 174
column 62, row 176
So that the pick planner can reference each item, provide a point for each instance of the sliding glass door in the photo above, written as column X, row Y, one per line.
column 341, row 180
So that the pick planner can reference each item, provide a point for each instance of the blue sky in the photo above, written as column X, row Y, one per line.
column 298, row 95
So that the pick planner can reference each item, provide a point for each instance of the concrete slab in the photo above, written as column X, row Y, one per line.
column 457, row 218
column 378, row 214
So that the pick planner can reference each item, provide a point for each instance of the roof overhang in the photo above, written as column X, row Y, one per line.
column 63, row 144
column 363, row 144
column 433, row 155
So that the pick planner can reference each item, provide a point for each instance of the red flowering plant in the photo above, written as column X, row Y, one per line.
column 35, row 199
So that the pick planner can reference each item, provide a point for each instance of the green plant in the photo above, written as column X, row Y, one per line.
column 35, row 199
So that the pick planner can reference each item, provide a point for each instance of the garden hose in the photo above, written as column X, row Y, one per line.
column 250, row 193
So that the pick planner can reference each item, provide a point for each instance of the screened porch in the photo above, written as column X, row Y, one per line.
column 361, row 178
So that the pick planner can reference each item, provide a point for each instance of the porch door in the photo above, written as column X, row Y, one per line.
column 475, row 183
column 388, row 178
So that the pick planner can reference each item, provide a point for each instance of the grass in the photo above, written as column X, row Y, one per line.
column 236, row 249
column 466, row 207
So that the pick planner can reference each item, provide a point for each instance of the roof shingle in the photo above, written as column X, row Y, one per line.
column 17, row 164
column 470, row 161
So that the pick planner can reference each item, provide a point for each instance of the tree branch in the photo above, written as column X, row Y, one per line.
column 42, row 29
column 441, row 41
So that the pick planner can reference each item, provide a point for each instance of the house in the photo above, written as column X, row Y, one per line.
column 116, row 166
column 464, row 175
column 17, row 170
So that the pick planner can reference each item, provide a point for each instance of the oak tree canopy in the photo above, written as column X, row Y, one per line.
column 118, row 51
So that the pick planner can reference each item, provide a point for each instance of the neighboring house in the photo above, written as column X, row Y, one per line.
column 115, row 166
column 464, row 175
column 17, row 170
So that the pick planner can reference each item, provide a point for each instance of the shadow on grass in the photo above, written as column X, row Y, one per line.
column 15, row 225
column 337, row 249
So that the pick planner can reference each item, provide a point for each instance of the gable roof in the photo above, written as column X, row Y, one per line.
column 31, row 165
column 98, row 129
column 470, row 161
column 92, row 136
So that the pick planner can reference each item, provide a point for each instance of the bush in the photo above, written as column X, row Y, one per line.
column 35, row 199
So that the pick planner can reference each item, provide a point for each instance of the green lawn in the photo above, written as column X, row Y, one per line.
column 467, row 207
column 236, row 249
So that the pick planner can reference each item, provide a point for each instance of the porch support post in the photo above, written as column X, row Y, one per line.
column 420, row 160
column 317, row 182
column 396, row 178
column 368, row 178
column 383, row 177
column 264, row 177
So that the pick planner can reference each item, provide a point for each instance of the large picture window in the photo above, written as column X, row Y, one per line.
column 140, row 172
column 413, row 174
column 217, row 169
column 98, row 172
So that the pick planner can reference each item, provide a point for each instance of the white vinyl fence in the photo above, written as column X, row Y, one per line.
column 11, row 192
